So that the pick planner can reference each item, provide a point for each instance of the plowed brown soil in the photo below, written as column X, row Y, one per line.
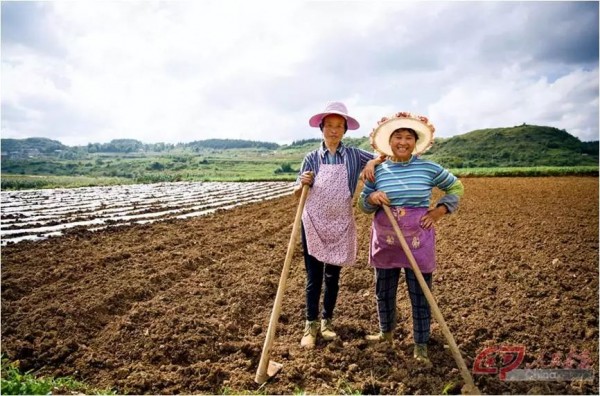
column 183, row 306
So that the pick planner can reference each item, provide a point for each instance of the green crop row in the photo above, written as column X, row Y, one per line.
column 527, row 171
column 246, row 171
column 26, row 182
column 14, row 382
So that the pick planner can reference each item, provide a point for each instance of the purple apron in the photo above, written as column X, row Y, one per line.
column 386, row 251
column 328, row 218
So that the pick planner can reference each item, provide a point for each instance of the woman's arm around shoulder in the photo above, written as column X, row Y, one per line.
column 368, row 161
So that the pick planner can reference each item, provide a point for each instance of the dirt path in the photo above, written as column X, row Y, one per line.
column 182, row 306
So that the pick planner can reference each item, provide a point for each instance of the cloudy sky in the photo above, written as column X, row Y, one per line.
column 178, row 71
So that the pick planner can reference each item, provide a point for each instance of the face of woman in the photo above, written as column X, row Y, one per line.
column 403, row 144
column 333, row 129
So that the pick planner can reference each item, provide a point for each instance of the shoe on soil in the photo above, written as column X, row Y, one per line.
column 327, row 330
column 310, row 334
column 380, row 337
column 420, row 353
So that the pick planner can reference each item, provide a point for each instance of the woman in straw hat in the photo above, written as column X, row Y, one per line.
column 404, row 182
column 328, row 228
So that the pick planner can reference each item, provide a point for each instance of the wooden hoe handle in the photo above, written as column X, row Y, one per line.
column 434, row 307
column 261, row 372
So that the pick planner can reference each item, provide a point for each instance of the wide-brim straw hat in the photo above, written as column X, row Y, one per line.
column 380, row 136
column 334, row 108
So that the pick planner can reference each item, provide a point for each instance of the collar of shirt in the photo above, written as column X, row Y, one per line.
column 403, row 163
column 323, row 151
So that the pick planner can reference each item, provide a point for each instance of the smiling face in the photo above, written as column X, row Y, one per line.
column 334, row 127
column 402, row 142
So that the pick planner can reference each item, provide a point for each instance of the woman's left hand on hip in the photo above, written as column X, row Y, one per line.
column 432, row 216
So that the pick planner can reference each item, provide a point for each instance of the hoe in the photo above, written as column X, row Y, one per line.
column 268, row 368
column 469, row 388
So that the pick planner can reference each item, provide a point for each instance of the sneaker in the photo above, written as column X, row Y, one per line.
column 380, row 337
column 327, row 330
column 420, row 353
column 310, row 334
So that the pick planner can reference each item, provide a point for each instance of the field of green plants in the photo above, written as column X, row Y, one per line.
column 242, row 171
column 107, row 169
column 15, row 382
column 527, row 171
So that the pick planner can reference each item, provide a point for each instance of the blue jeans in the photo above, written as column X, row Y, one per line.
column 316, row 273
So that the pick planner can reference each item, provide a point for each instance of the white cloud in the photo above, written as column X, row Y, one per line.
column 482, row 102
column 179, row 71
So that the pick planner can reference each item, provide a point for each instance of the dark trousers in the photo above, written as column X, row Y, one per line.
column 385, row 290
column 318, row 273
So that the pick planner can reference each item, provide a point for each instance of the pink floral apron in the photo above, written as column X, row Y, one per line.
column 328, row 218
column 386, row 251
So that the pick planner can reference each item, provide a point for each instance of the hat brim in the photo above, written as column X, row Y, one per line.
column 380, row 136
column 315, row 120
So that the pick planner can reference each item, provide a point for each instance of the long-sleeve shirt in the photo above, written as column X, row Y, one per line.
column 354, row 158
column 410, row 184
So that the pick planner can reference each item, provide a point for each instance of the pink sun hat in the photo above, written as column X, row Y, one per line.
column 334, row 108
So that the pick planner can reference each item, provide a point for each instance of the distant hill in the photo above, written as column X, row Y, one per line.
column 524, row 145
column 35, row 147
column 41, row 145
column 225, row 144
column 130, row 145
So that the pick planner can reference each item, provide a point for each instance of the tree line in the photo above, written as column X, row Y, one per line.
column 33, row 147
column 522, row 145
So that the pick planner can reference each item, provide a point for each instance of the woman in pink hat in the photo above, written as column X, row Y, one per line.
column 404, row 182
column 328, row 228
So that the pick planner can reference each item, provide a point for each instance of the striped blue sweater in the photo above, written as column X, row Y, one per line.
column 410, row 184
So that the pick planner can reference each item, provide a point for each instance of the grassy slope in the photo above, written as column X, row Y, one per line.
column 525, row 145
column 509, row 151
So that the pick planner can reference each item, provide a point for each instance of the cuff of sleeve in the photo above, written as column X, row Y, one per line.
column 366, row 206
column 450, row 202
